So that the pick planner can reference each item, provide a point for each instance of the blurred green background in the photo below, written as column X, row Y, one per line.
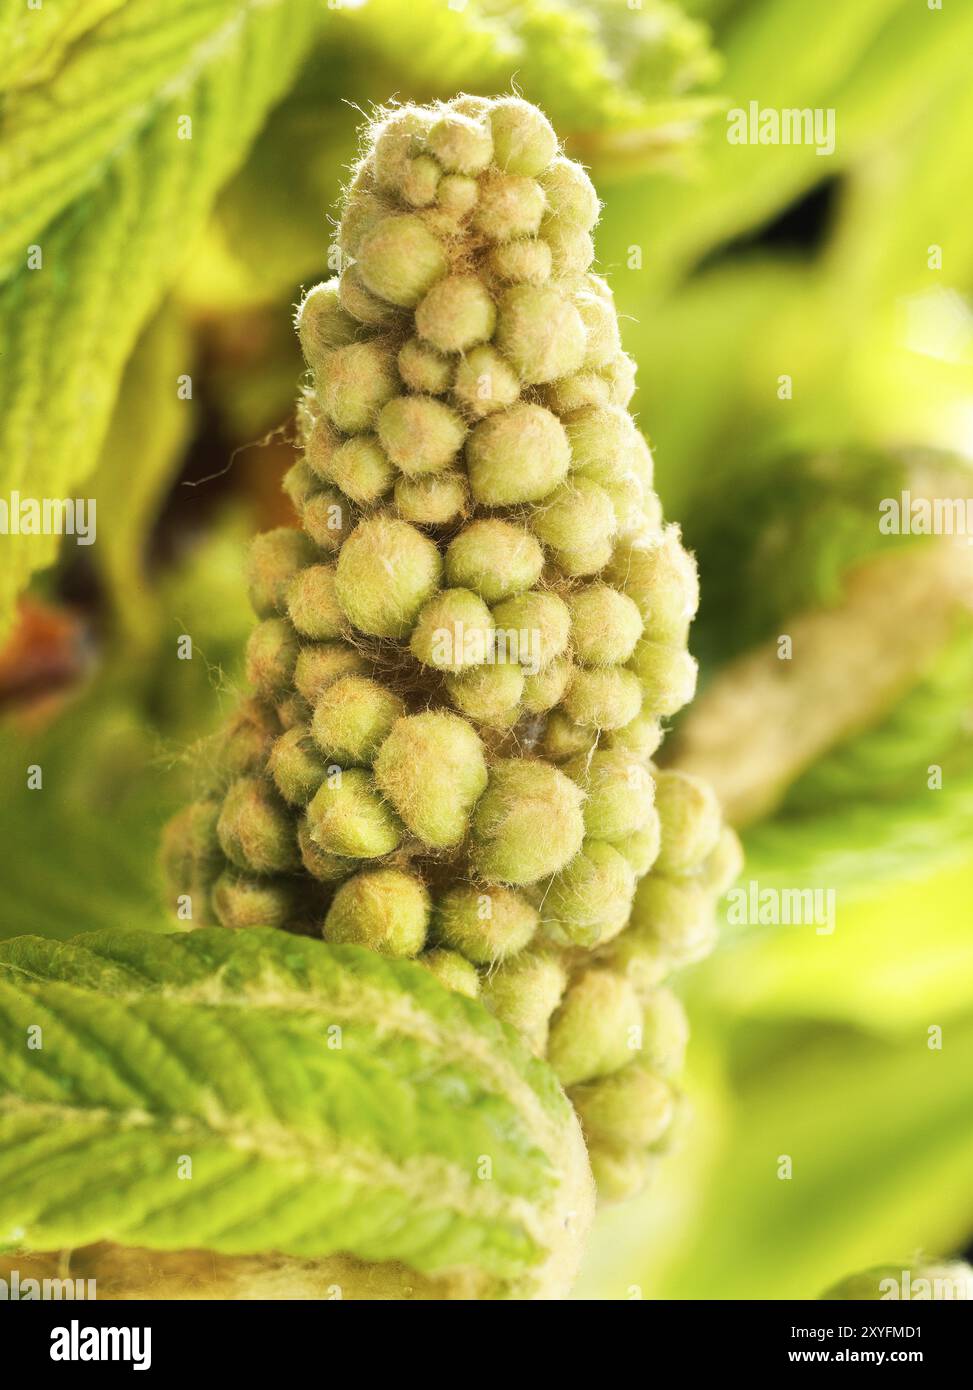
column 802, row 325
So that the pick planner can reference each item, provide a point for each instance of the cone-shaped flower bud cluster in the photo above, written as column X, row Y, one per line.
column 465, row 655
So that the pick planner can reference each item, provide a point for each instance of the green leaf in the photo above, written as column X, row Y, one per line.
column 330, row 1102
column 113, row 199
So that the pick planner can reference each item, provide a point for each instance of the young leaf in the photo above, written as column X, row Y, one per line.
column 325, row 1101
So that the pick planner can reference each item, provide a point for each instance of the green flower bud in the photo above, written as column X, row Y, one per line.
column 485, row 925
column 666, row 674
column 572, row 249
column 360, row 303
column 435, row 499
column 602, row 442
column 620, row 1170
column 524, row 992
column 273, row 560
column 571, row 195
column 320, row 441
column 527, row 824
column 691, row 821
column 292, row 710
column 620, row 375
column 365, row 210
column 386, row 572
column 399, row 259
column 604, row 698
column 496, row 559
column 327, row 868
column 420, row 434
column 461, row 144
column 665, row 1033
column 271, row 657
column 352, row 385
column 517, row 455
column 255, row 829
column 312, row 604
column 457, row 195
column 397, row 141
column 575, row 392
column 423, row 369
column 452, row 970
column 456, row 314
column 191, row 858
column 640, row 738
column 508, row 206
column 619, row 793
column 723, row 865
column 322, row 324
column 489, row 695
column 542, row 623
column 453, row 632
column 361, row 469
column 660, row 576
column 521, row 261
column 354, row 719
column 589, row 901
column 240, row 902
column 320, row 664
column 300, row 485
column 432, row 768
column 296, row 766
column 384, row 909
column 629, row 1107
column 523, row 138
column 420, row 181
column 602, row 343
column 563, row 739
column 605, row 625
column 348, row 817
column 540, row 331
column 485, row 382
column 672, row 925
column 327, row 518
column 641, row 847
column 596, row 1028
column 545, row 688
column 247, row 738
column 577, row 523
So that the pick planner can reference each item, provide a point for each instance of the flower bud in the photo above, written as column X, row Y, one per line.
column 386, row 572
column 353, row 384
column 563, row 739
column 509, row 206
column 327, row 868
column 589, row 901
column 605, row 698
column 300, row 484
column 191, row 857
column 424, row 369
column 485, row 925
column 496, row 559
column 661, row 578
column 453, row 632
column 398, row 140
column 432, row 768
column 517, row 455
column 524, row 992
column 577, row 524
column 576, row 391
column 271, row 657
column 632, row 1106
column 665, row 1033
column 362, row 470
column 386, row 910
column 240, row 902
column 320, row 664
column 457, row 195
column 435, row 499
column 594, row 1029
column 452, row 970
column 619, row 793
column 527, row 824
column 273, row 560
column 360, row 303
column 667, row 676
column 605, row 625
column 522, row 261
column 540, row 332
column 542, row 623
column 312, row 604
column 327, row 518
column 420, row 181
column 641, row 847
column 620, row 1170
column 456, row 314
column 247, row 738
column 255, row 829
column 461, row 144
column 602, row 440
column 691, row 821
column 572, row 249
column 489, row 695
column 399, row 259
column 672, row 925
column 485, row 382
column 322, row 324
column 723, row 865
column 640, row 738
column 296, row 766
column 571, row 196
column 420, row 434
column 348, row 817
column 523, row 138
column 545, row 688
column 354, row 719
